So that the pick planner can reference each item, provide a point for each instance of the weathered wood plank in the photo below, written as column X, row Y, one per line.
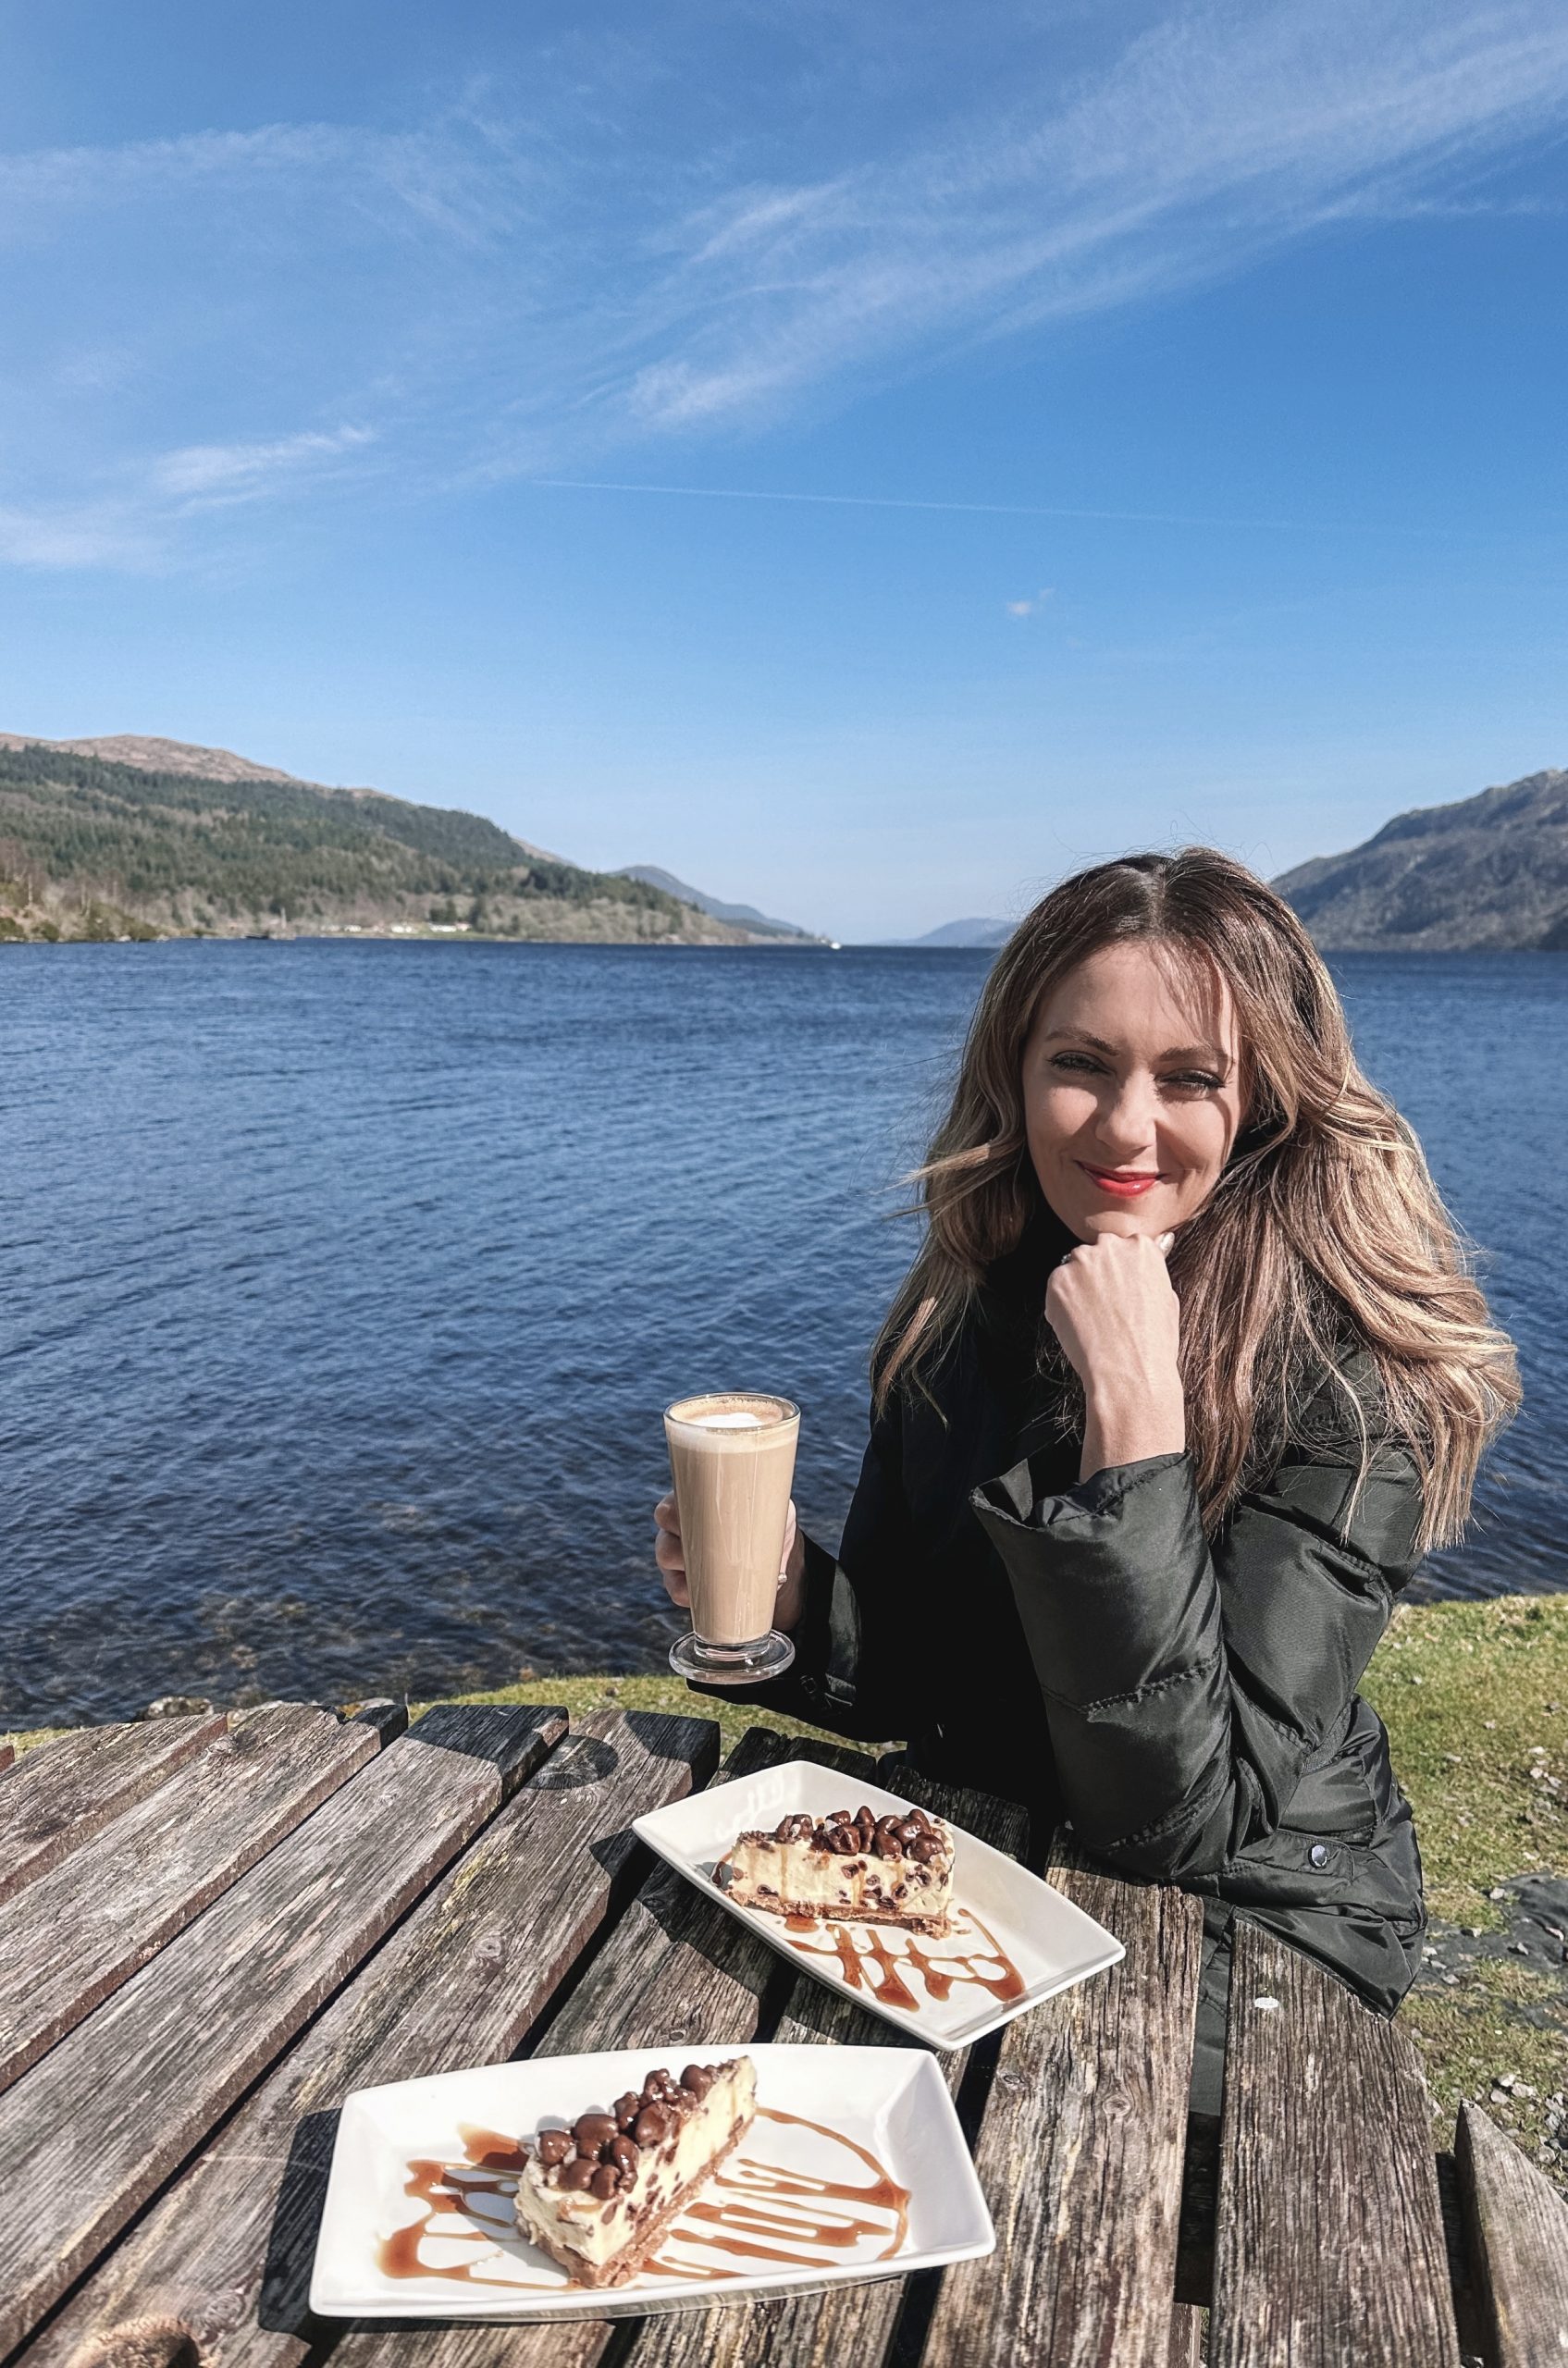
column 63, row 1792
column 460, row 1983
column 386, row 1719
column 1518, row 2225
column 70, row 1937
column 1186, row 2337
column 1328, row 2234
column 678, row 1973
column 844, row 2322
column 90, row 2132
column 1080, row 2150
column 8, row 1756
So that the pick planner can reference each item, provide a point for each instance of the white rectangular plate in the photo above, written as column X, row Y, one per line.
column 857, row 2118
column 1015, row 1940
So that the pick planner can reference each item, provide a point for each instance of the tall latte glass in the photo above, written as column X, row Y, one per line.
column 732, row 1456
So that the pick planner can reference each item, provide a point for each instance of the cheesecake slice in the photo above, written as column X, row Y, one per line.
column 854, row 1869
column 599, row 2193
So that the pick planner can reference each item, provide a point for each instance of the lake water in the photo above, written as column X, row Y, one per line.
column 344, row 1283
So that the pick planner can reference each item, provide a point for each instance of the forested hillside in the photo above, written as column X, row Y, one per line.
column 94, row 848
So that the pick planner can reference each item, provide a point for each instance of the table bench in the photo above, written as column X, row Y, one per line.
column 213, row 1927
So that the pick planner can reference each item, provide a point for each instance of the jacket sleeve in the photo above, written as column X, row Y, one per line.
column 1187, row 1684
column 856, row 1672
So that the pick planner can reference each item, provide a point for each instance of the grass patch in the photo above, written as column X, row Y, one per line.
column 26, row 1738
column 1474, row 1696
column 668, row 1693
column 1502, row 2022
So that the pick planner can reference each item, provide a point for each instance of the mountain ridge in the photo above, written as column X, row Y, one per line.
column 150, row 754
column 1484, row 872
column 985, row 934
column 744, row 916
column 146, row 844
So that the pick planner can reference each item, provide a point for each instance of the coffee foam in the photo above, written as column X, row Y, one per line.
column 732, row 1411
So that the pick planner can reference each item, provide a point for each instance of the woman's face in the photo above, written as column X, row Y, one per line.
column 1132, row 1089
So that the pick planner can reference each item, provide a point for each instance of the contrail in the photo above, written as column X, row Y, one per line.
column 973, row 508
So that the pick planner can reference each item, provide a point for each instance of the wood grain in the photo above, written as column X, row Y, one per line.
column 61, row 1794
column 90, row 2132
column 678, row 1973
column 1081, row 2150
column 1517, row 2226
column 225, row 2253
column 72, row 1936
column 1186, row 2337
column 1328, row 2236
column 844, row 2322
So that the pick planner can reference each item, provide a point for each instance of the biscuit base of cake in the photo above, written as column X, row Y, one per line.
column 601, row 2196
column 850, row 1870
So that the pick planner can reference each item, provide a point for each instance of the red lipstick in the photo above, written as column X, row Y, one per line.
column 1127, row 1183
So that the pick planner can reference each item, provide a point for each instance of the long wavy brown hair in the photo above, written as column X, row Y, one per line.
column 1324, row 1230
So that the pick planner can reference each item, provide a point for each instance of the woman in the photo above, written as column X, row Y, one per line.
column 1187, row 1376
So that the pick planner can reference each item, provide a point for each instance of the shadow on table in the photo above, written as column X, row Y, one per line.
column 283, row 2306
column 495, row 1732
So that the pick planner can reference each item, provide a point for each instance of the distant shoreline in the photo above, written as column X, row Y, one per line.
column 396, row 934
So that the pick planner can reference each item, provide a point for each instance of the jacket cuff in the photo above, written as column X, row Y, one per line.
column 1112, row 1578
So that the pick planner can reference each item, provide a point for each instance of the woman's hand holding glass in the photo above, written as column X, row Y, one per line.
column 669, row 1556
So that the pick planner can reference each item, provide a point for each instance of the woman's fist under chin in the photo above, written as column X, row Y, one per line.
column 1111, row 1305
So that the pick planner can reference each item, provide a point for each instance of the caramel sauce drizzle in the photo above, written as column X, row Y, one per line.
column 765, row 2208
column 446, row 2192
column 877, row 1969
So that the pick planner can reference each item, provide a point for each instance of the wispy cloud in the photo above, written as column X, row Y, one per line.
column 223, row 472
column 1223, row 132
column 522, row 288
column 125, row 519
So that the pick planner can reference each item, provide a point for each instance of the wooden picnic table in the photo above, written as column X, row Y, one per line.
column 211, row 1929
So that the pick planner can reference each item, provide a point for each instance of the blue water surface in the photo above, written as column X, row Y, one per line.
column 344, row 1282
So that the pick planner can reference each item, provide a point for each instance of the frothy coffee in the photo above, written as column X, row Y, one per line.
column 732, row 1458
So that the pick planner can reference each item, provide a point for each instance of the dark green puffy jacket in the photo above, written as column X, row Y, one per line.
column 1188, row 1704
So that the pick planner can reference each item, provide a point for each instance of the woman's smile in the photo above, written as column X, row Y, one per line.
column 1127, row 1183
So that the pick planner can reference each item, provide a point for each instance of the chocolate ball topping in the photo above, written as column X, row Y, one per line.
column 599, row 2156
column 895, row 1836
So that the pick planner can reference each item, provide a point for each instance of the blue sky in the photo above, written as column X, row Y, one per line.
column 1083, row 425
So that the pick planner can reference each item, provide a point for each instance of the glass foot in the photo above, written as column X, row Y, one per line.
column 730, row 1664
